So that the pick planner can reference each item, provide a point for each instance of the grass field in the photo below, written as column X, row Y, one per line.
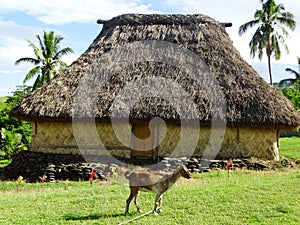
column 290, row 147
column 246, row 197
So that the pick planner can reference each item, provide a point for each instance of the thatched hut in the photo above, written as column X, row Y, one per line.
column 254, row 111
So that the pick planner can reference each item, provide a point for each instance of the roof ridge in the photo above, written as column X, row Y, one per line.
column 162, row 19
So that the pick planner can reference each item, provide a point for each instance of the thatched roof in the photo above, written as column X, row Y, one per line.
column 250, row 101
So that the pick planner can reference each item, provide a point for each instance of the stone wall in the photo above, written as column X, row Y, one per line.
column 40, row 167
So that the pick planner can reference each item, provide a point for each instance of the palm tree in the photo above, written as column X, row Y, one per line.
column 292, row 81
column 271, row 20
column 47, row 59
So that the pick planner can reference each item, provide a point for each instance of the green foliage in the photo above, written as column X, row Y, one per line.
column 290, row 82
column 2, row 102
column 12, row 142
column 15, row 135
column 293, row 94
column 4, row 162
column 246, row 197
column 47, row 62
column 291, row 87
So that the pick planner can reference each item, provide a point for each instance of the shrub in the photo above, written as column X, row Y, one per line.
column 15, row 135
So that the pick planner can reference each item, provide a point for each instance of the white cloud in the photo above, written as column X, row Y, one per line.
column 67, row 11
column 12, row 40
column 14, row 46
column 55, row 12
column 58, row 12
column 10, row 71
column 239, row 12
column 12, row 43
column 70, row 58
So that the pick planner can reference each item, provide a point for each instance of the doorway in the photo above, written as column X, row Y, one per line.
column 143, row 140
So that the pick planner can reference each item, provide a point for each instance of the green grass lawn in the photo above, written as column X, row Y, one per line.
column 246, row 197
column 290, row 147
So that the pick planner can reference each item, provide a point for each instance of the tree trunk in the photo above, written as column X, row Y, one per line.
column 268, row 51
column 270, row 71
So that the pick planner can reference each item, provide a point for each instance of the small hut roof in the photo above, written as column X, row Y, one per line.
column 250, row 101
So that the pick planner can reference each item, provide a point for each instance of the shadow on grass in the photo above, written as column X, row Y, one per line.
column 93, row 216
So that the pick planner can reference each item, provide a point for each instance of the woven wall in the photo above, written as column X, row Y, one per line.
column 50, row 137
column 237, row 142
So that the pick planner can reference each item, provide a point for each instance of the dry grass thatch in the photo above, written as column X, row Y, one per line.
column 250, row 101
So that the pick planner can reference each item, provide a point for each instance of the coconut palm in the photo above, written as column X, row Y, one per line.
column 47, row 59
column 292, row 81
column 272, row 21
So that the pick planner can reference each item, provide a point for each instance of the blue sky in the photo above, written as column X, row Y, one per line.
column 75, row 20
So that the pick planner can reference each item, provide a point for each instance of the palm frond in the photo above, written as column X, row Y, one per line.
column 257, row 43
column 297, row 75
column 27, row 60
column 48, row 42
column 60, row 65
column 63, row 52
column 283, row 31
column 281, row 6
column 36, row 50
column 42, row 47
column 288, row 20
column 56, row 42
column 289, row 82
column 246, row 26
column 258, row 14
column 296, row 81
column 37, row 83
column 275, row 48
column 31, row 73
